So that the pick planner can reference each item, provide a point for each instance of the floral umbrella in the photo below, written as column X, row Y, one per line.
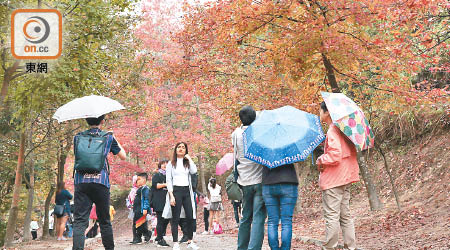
column 350, row 119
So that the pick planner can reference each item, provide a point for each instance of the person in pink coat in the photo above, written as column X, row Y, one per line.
column 338, row 169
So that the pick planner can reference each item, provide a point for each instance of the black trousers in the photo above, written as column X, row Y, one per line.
column 85, row 195
column 161, row 226
column 237, row 209
column 34, row 234
column 133, row 229
column 185, row 226
column 206, row 218
column 182, row 199
column 142, row 230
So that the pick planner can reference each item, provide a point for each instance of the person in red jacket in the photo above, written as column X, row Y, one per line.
column 338, row 169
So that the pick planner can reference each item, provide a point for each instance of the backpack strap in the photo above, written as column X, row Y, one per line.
column 235, row 171
column 103, row 134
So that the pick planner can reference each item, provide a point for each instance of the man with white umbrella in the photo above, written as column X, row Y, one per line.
column 91, row 170
column 93, row 187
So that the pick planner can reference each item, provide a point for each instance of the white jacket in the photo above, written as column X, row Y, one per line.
column 167, row 212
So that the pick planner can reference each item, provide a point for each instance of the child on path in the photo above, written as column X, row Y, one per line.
column 204, row 201
column 34, row 226
column 338, row 169
column 129, row 201
column 141, row 206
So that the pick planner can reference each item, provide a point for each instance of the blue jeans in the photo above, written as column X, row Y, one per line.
column 251, row 229
column 280, row 202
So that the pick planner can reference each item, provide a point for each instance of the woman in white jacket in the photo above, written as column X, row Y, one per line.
column 180, row 193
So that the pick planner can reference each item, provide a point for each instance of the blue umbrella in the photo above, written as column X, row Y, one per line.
column 282, row 136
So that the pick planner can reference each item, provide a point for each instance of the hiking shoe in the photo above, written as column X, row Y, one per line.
column 136, row 241
column 176, row 246
column 193, row 246
column 162, row 243
column 184, row 239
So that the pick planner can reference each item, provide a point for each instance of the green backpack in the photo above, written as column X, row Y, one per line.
column 234, row 192
column 90, row 155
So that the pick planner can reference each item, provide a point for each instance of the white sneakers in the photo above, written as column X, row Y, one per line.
column 192, row 246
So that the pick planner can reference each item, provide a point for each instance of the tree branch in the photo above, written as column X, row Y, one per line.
column 255, row 29
column 68, row 13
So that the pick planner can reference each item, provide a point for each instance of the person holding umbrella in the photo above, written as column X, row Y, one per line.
column 94, row 188
column 338, row 169
column 91, row 170
column 251, row 228
column 277, row 139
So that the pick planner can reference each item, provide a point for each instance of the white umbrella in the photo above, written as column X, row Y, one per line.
column 87, row 106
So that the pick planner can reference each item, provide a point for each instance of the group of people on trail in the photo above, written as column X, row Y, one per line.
column 266, row 193
column 273, row 192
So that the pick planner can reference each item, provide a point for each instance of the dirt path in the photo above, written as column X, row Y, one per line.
column 207, row 242
column 122, row 242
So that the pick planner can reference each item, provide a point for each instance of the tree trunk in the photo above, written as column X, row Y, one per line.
column 7, row 77
column 374, row 200
column 330, row 74
column 391, row 178
column 12, row 219
column 26, row 223
column 61, row 162
column 202, row 175
column 63, row 152
column 47, row 210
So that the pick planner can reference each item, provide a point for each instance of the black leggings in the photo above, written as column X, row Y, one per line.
column 161, row 226
column 182, row 198
column 206, row 218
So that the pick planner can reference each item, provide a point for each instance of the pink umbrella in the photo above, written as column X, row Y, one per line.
column 224, row 164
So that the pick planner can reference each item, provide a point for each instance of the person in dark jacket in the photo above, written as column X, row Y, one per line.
column 62, row 198
column 159, row 190
column 141, row 206
column 280, row 194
